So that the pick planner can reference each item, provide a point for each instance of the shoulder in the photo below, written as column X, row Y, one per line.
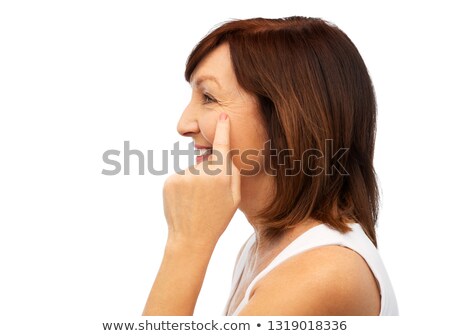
column 330, row 280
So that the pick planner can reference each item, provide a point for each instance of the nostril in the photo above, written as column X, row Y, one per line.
column 187, row 132
column 187, row 129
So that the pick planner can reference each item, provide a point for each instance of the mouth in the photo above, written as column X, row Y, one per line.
column 203, row 154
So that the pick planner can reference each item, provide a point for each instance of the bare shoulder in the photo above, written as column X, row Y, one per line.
column 330, row 280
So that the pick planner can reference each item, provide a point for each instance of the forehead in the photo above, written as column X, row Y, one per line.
column 215, row 68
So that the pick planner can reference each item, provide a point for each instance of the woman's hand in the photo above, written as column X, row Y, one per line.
column 200, row 202
column 198, row 207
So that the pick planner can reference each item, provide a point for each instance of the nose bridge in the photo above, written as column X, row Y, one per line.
column 188, row 123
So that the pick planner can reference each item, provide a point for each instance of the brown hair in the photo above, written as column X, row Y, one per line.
column 312, row 85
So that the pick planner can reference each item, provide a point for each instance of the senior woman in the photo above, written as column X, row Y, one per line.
column 283, row 116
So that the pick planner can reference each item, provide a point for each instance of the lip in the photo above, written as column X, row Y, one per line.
column 201, row 147
column 201, row 158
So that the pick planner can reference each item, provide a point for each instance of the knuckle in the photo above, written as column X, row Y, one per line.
column 171, row 182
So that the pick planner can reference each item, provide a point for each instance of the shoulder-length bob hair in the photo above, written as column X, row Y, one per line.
column 313, row 90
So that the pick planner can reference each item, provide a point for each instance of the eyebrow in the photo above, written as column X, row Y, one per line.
column 204, row 78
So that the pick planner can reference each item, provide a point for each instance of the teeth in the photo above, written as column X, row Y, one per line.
column 204, row 151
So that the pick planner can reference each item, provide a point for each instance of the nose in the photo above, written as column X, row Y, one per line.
column 188, row 123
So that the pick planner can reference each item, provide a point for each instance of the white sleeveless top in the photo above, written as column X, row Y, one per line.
column 322, row 235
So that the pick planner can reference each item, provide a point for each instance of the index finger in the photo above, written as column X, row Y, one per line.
column 221, row 142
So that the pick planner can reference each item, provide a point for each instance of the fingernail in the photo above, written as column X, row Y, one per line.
column 223, row 116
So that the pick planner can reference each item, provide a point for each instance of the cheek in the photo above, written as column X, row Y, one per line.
column 207, row 124
column 248, row 137
column 243, row 137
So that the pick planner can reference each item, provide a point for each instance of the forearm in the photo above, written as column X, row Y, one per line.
column 179, row 280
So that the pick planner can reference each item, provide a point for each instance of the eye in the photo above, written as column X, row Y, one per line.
column 208, row 99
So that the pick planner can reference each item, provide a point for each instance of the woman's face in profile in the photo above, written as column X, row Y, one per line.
column 214, row 90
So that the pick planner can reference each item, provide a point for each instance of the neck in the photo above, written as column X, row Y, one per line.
column 256, row 192
column 255, row 196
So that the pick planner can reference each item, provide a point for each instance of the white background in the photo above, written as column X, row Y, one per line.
column 80, row 77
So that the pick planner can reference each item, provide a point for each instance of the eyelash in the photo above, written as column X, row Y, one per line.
column 207, row 99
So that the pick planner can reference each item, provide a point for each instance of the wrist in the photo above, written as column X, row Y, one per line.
column 194, row 247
